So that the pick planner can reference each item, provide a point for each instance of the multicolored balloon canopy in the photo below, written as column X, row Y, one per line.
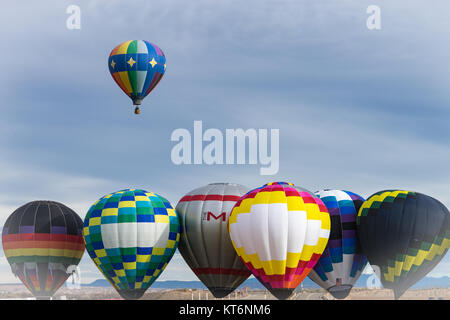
column 342, row 261
column 405, row 234
column 279, row 231
column 42, row 240
column 205, row 243
column 137, row 66
column 131, row 235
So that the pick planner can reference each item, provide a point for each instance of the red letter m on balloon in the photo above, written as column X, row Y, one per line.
column 222, row 215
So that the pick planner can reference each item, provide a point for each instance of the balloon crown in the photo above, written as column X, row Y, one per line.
column 279, row 183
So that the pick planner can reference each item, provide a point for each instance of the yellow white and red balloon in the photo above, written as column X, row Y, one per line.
column 279, row 231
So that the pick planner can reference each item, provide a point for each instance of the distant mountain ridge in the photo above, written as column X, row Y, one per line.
column 252, row 283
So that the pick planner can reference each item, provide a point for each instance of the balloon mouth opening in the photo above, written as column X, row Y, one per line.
column 220, row 292
column 340, row 292
column 131, row 294
column 398, row 293
column 281, row 293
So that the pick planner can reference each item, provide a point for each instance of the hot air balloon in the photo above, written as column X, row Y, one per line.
column 131, row 235
column 279, row 231
column 42, row 241
column 404, row 234
column 342, row 261
column 205, row 243
column 137, row 66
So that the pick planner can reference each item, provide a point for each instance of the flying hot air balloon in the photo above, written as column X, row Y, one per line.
column 43, row 243
column 205, row 243
column 279, row 231
column 137, row 66
column 131, row 235
column 342, row 261
column 404, row 234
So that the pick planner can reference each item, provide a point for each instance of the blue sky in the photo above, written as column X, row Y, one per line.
column 357, row 109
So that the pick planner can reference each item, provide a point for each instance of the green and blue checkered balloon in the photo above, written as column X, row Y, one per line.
column 131, row 235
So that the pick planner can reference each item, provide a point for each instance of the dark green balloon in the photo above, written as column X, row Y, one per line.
column 405, row 234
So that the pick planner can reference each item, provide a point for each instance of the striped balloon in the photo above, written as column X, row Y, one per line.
column 41, row 240
column 342, row 261
column 279, row 231
column 137, row 66
column 205, row 243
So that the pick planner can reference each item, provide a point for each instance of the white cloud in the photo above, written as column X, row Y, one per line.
column 442, row 269
column 22, row 184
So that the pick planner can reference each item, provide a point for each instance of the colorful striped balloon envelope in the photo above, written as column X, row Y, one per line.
column 131, row 235
column 42, row 241
column 137, row 66
column 205, row 243
column 279, row 231
column 342, row 261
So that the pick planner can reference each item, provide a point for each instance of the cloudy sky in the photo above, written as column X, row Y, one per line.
column 357, row 109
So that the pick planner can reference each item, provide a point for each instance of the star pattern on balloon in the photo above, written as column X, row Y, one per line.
column 113, row 64
column 131, row 62
column 153, row 62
